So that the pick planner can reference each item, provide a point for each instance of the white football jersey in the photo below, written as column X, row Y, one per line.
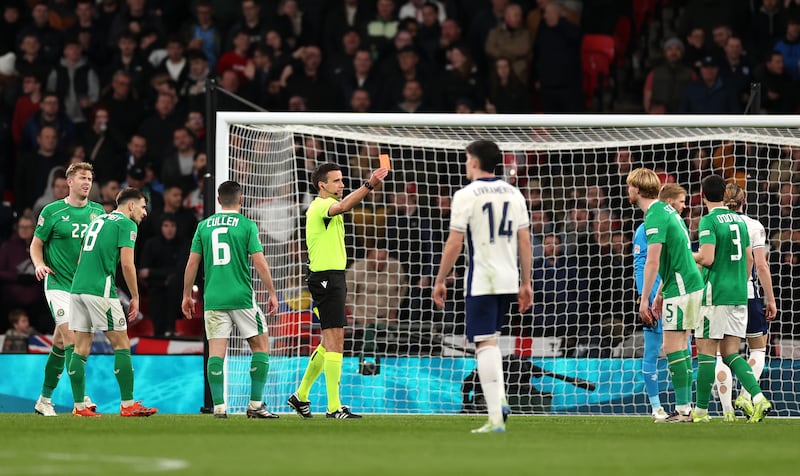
column 490, row 212
column 758, row 239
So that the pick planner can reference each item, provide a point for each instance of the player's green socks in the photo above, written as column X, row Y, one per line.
column 77, row 375
column 68, row 351
column 52, row 371
column 689, row 376
column 333, row 372
column 123, row 370
column 743, row 372
column 315, row 365
column 705, row 379
column 680, row 370
column 259, row 367
column 216, row 379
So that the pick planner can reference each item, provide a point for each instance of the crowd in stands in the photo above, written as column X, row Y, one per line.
column 121, row 84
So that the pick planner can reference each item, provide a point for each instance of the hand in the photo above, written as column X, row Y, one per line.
column 42, row 271
column 771, row 311
column 250, row 70
column 187, row 304
column 133, row 308
column 195, row 44
column 378, row 176
column 644, row 312
column 439, row 295
column 272, row 304
column 657, row 304
column 144, row 273
column 525, row 297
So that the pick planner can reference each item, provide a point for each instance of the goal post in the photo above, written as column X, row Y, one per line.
column 578, row 351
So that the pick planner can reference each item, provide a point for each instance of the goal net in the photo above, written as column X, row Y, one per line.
column 578, row 351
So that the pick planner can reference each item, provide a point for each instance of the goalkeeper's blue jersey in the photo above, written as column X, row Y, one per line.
column 639, row 259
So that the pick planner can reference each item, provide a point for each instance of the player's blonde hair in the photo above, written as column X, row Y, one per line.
column 646, row 181
column 74, row 168
column 734, row 196
column 671, row 191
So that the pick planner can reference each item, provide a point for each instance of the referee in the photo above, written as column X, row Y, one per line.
column 326, row 282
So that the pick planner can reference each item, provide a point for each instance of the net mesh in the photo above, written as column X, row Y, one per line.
column 579, row 349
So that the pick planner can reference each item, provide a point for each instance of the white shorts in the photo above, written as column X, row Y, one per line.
column 250, row 322
column 94, row 313
column 58, row 301
column 720, row 321
column 681, row 313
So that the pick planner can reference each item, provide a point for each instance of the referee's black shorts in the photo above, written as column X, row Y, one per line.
column 329, row 291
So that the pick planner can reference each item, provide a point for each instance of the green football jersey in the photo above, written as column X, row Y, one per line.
column 325, row 237
column 726, row 278
column 226, row 240
column 97, row 268
column 677, row 269
column 61, row 227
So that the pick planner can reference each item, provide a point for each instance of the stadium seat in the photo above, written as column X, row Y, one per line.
column 143, row 328
column 597, row 55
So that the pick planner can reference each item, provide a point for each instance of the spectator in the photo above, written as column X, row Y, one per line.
column 719, row 36
column 769, row 23
column 195, row 86
column 412, row 100
column 49, row 114
column 789, row 47
column 104, row 146
column 88, row 32
column 173, row 206
column 159, row 127
column 129, row 59
column 124, row 110
column 778, row 90
column 31, row 60
column 74, row 80
column 709, row 94
column 406, row 68
column 511, row 40
column 535, row 15
column 10, row 25
column 416, row 9
column 203, row 34
column 379, row 285
column 736, row 70
column 695, row 49
column 16, row 341
column 340, row 61
column 49, row 38
column 162, row 262
column 238, row 58
column 309, row 82
column 382, row 28
column 18, row 285
column 31, row 182
column 460, row 80
column 344, row 15
column 107, row 192
column 451, row 35
column 250, row 23
column 58, row 190
column 175, row 65
column 429, row 33
column 360, row 101
column 404, row 228
column 666, row 83
column 258, row 73
column 482, row 23
column 294, row 25
column 136, row 19
column 137, row 178
column 558, row 63
column 195, row 123
column 360, row 76
column 507, row 93
column 541, row 226
column 177, row 168
column 27, row 105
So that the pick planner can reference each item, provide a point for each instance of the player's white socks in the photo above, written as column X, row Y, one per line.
column 724, row 383
column 756, row 361
column 490, row 373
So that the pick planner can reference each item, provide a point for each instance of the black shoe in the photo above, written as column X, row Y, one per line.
column 302, row 408
column 342, row 412
column 261, row 412
column 220, row 415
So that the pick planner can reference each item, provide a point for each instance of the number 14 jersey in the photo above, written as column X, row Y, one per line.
column 490, row 212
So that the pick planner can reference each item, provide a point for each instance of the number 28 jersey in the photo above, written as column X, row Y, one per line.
column 61, row 227
column 97, row 269
column 490, row 212
column 226, row 240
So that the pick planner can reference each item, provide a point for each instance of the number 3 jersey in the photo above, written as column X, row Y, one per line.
column 97, row 269
column 726, row 278
column 490, row 212
column 61, row 228
column 226, row 240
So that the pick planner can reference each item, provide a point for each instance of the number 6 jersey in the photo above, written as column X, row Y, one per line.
column 490, row 212
column 61, row 228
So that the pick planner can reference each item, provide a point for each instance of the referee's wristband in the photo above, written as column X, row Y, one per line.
column 368, row 185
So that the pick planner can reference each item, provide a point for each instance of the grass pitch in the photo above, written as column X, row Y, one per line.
column 393, row 445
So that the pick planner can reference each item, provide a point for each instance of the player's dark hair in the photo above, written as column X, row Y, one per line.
column 321, row 173
column 487, row 153
column 229, row 193
column 713, row 188
column 129, row 194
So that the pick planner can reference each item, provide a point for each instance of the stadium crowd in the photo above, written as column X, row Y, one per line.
column 121, row 84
